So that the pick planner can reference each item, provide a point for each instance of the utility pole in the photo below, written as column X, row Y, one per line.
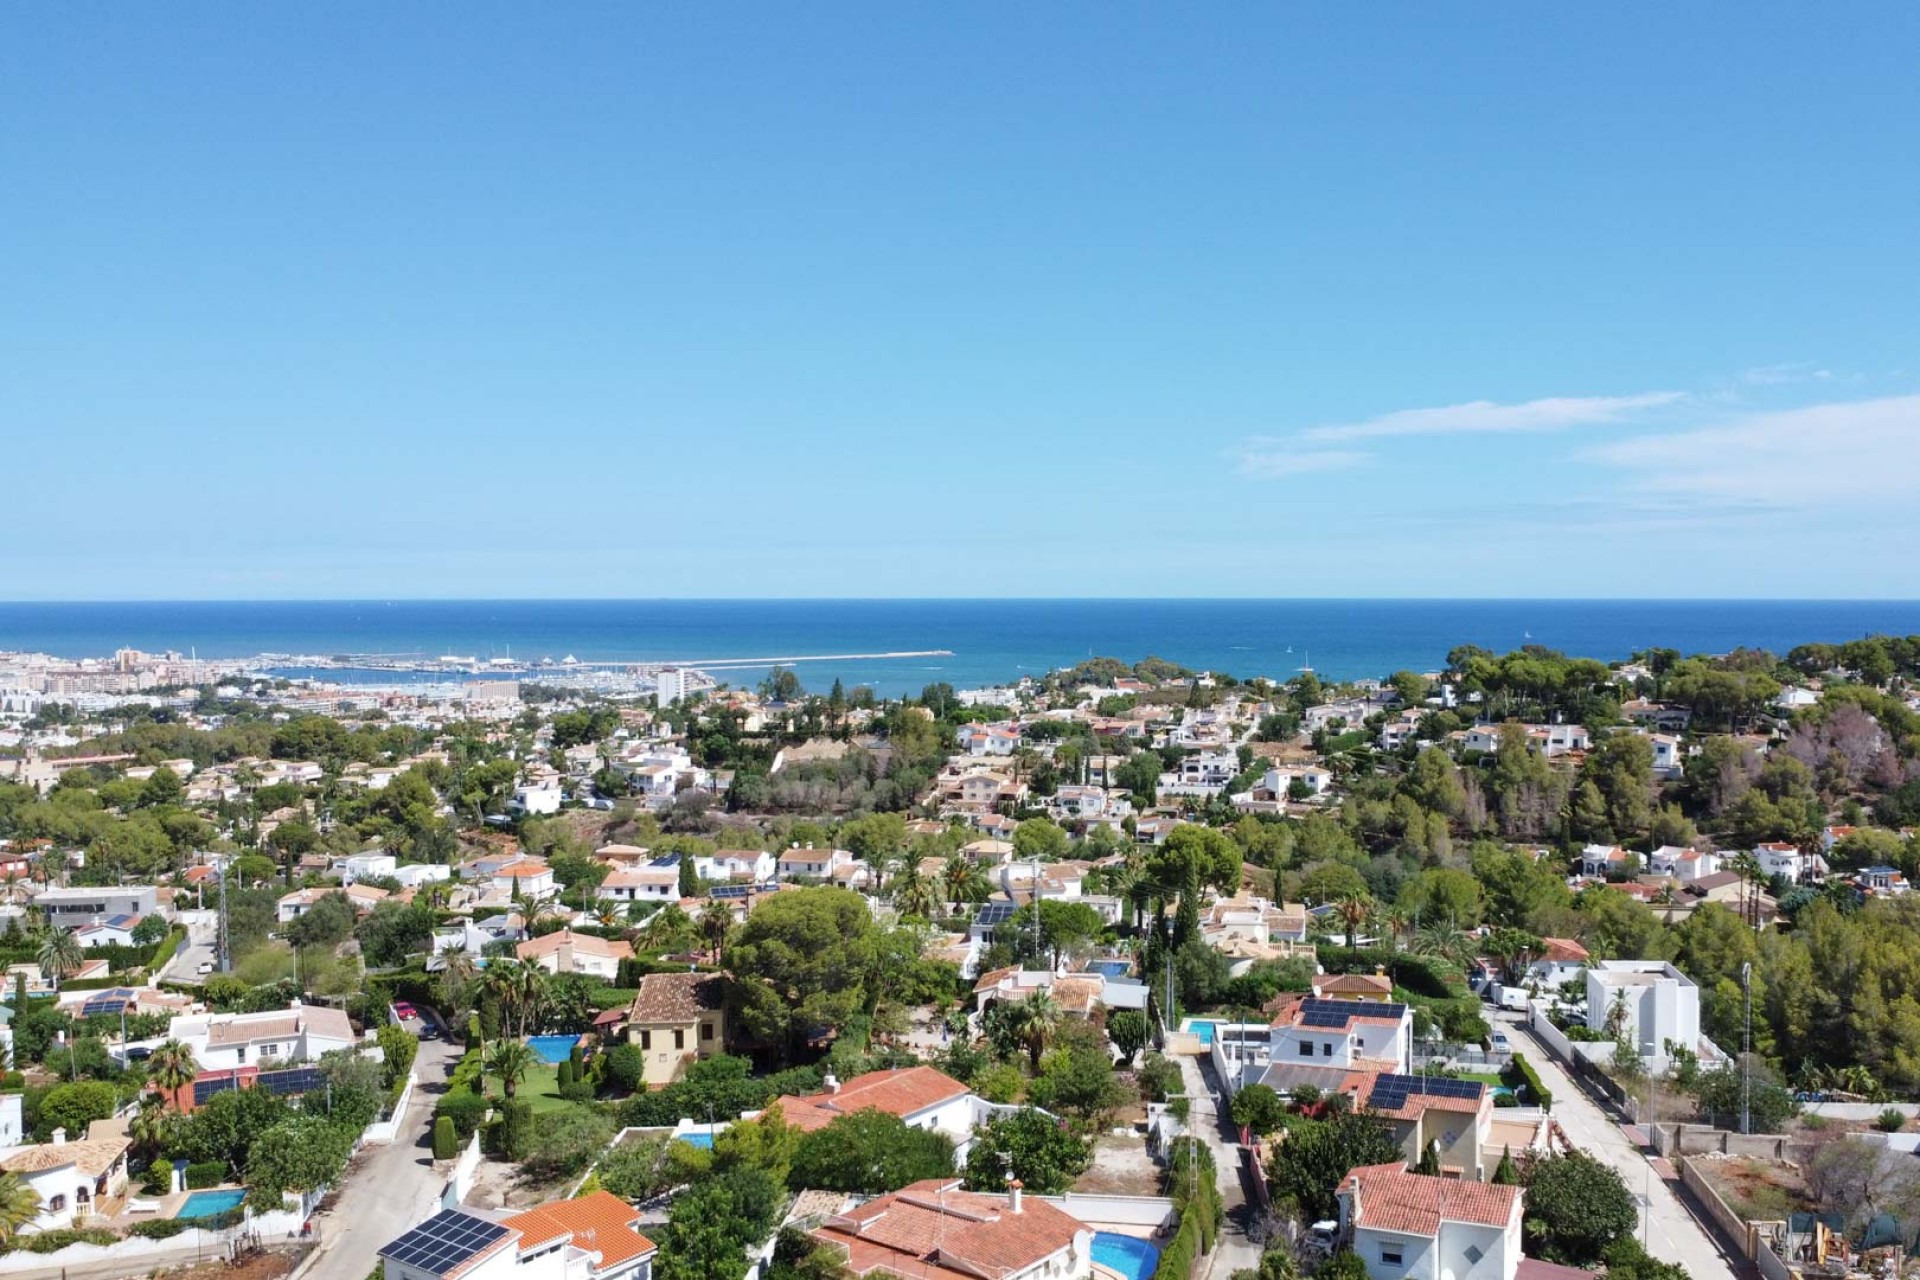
column 220, row 944
column 1746, row 1053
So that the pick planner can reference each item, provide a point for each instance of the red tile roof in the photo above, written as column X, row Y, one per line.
column 933, row 1230
column 897, row 1092
column 1388, row 1197
column 600, row 1223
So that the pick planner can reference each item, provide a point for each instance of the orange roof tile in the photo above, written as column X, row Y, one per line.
column 601, row 1223
column 933, row 1230
column 1388, row 1197
column 897, row 1092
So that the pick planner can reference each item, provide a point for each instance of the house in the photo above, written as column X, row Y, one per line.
column 1778, row 858
column 1077, row 994
column 1252, row 920
column 751, row 866
column 1205, row 773
column 1076, row 803
column 921, row 1096
column 656, row 882
column 1651, row 1001
column 1663, row 716
column 595, row 1237
column 1450, row 1117
column 71, row 1177
column 813, row 864
column 365, row 866
column 224, row 1040
column 1881, row 882
column 1668, row 759
column 1794, row 698
column 988, row 740
column 71, row 908
column 1684, row 865
column 114, row 931
column 361, row 897
column 933, row 1230
column 1608, row 860
column 1560, row 961
column 1407, row 1225
column 1153, row 831
column 568, row 952
column 676, row 1018
column 530, row 876
column 1375, row 986
column 1344, row 1033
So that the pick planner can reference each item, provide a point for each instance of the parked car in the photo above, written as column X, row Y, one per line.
column 206, row 967
column 428, row 1031
column 1499, row 1042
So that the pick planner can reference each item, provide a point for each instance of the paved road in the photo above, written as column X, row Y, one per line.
column 1673, row 1235
column 1233, row 1251
column 186, row 962
column 388, row 1189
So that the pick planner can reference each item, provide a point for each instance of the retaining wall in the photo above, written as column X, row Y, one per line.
column 1129, row 1211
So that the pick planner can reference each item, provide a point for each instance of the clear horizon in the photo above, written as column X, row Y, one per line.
column 1426, row 302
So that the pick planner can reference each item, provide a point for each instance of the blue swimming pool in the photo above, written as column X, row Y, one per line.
column 1133, row 1259
column 211, row 1204
column 1202, row 1029
column 1111, row 968
column 696, row 1139
column 554, row 1049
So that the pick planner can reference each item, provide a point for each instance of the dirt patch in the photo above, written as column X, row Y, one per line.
column 260, row 1265
column 498, row 1184
column 1763, row 1190
column 1121, row 1167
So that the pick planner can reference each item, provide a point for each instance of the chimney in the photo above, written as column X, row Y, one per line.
column 1013, row 1187
column 832, row 1082
column 59, row 1137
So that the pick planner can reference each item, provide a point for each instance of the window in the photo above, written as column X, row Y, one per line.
column 706, row 1031
column 1390, row 1254
column 1306, row 1048
column 1326, row 1050
column 1475, row 1253
column 56, row 1203
column 646, row 1040
column 679, row 1038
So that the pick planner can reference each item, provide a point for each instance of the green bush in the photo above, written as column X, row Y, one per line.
column 160, row 1229
column 516, row 1129
column 1519, row 1074
column 577, row 1091
column 208, row 1173
column 466, row 1110
column 53, row 1241
column 563, row 1077
column 446, row 1142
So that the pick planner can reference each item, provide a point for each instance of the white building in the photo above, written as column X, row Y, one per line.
column 988, row 740
column 365, row 866
column 749, row 866
column 541, row 797
column 670, row 685
column 1654, row 1002
column 641, row 884
column 814, row 864
column 1344, row 1033
column 70, row 1177
column 221, row 1041
column 570, row 952
column 921, row 1096
column 1409, row 1226
column 594, row 1237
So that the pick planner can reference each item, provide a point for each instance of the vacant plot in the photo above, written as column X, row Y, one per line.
column 1121, row 1167
column 1759, row 1190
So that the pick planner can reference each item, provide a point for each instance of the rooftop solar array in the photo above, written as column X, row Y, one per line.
column 292, row 1080
column 666, row 860
column 1337, row 1013
column 730, row 891
column 444, row 1241
column 1390, row 1092
column 995, row 913
column 204, row 1089
column 113, row 1001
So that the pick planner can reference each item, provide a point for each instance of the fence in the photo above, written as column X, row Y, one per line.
column 1749, row 1238
column 383, row 1131
column 137, row 1253
column 460, row 1180
column 1700, row 1139
column 1551, row 1036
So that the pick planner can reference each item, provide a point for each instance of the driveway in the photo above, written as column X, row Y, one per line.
column 1673, row 1235
column 186, row 962
column 388, row 1190
column 1234, row 1250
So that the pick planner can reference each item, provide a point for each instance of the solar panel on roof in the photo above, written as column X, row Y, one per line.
column 730, row 891
column 292, row 1080
column 1390, row 1092
column 444, row 1241
column 204, row 1089
column 995, row 913
column 1315, row 1012
column 666, row 860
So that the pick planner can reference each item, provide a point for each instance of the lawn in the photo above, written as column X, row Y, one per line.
column 1487, row 1078
column 540, row 1087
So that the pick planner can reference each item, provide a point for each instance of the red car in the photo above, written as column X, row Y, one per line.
column 402, row 1010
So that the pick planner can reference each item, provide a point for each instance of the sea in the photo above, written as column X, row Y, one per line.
column 988, row 641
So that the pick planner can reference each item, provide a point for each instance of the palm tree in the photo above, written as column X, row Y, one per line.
column 59, row 953
column 716, row 922
column 506, row 983
column 667, row 929
column 19, row 1205
column 149, row 1127
column 1395, row 920
column 1446, row 940
column 1034, row 1019
column 172, row 1067
column 965, row 881
column 1747, row 867
column 1352, row 911
column 510, row 1060
column 915, row 894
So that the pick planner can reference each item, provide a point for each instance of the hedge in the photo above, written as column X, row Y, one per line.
column 1519, row 1072
column 160, row 1228
column 446, row 1142
column 209, row 1173
column 467, row 1111
column 1198, row 1202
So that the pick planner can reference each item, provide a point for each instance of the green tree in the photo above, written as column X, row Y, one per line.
column 327, row 923
column 1028, row 1145
column 392, row 931
column 446, row 1143
column 1032, row 1020
column 712, row 1224
column 1318, row 1153
column 565, row 1142
column 1129, row 1032
column 73, row 1107
column 510, row 1060
column 1505, row 1174
column 1037, row 839
column 869, row 1152
column 59, row 953
column 1576, row 1207
column 1259, row 1109
column 301, row 1153
column 172, row 1067
column 19, row 1206
column 806, row 961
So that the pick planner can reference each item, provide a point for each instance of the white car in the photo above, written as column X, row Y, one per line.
column 206, row 967
column 1500, row 1042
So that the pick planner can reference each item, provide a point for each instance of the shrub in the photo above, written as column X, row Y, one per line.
column 564, row 1142
column 160, row 1229
column 1519, row 1073
column 516, row 1129
column 208, row 1173
column 623, row 1067
column 446, row 1142
column 577, row 1091
column 466, row 1110
column 563, row 1078
column 1890, row 1121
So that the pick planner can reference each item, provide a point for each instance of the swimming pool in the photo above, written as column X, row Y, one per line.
column 211, row 1204
column 1111, row 968
column 1132, row 1258
column 1202, row 1029
column 553, row 1049
column 695, row 1139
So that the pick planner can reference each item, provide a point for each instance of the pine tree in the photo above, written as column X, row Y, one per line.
column 1504, row 1173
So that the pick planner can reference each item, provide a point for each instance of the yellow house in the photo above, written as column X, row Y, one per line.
column 676, row 1019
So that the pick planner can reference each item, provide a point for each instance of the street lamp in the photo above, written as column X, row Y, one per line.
column 1746, row 1052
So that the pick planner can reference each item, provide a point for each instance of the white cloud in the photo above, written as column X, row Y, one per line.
column 1823, row 455
column 1772, row 375
column 1271, row 459
column 1553, row 413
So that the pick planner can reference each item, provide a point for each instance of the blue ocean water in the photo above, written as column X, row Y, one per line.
column 992, row 641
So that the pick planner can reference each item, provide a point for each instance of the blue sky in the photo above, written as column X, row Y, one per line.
column 509, row 300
